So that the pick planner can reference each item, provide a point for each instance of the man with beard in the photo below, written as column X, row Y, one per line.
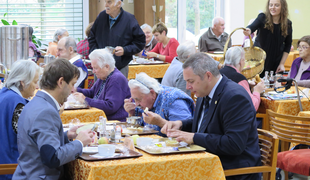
column 43, row 146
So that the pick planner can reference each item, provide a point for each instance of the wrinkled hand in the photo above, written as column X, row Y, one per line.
column 151, row 54
column 129, row 106
column 85, row 137
column 79, row 97
column 247, row 32
column 280, row 68
column 61, row 110
column 260, row 87
column 176, row 125
column 72, row 132
column 181, row 136
column 119, row 51
column 153, row 118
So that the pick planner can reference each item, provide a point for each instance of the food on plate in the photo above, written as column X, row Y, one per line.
column 172, row 142
column 257, row 79
column 134, row 138
column 139, row 129
column 85, row 127
column 103, row 140
column 290, row 91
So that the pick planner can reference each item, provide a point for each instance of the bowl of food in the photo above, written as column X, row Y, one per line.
column 172, row 143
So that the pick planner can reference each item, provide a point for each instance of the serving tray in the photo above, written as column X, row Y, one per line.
column 121, row 155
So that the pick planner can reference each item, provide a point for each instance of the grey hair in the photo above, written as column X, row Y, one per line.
column 70, row 42
column 104, row 57
column 185, row 50
column 202, row 63
column 145, row 83
column 59, row 32
column 143, row 26
column 22, row 71
column 216, row 20
column 116, row 1
column 234, row 55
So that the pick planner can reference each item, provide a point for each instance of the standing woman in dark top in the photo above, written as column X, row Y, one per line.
column 274, row 34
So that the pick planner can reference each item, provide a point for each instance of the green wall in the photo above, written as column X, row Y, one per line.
column 299, row 14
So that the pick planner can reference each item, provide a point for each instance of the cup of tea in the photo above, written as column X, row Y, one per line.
column 106, row 150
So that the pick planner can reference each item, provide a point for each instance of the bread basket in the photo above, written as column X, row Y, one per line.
column 254, row 58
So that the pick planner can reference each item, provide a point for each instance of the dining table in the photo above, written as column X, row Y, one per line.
column 153, row 70
column 191, row 166
column 83, row 115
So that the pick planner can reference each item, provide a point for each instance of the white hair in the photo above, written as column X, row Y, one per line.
column 103, row 57
column 70, row 42
column 22, row 71
column 145, row 83
column 116, row 1
column 143, row 26
column 234, row 55
column 216, row 20
column 186, row 49
column 58, row 32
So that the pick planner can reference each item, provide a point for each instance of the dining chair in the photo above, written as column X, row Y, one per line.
column 7, row 168
column 268, row 143
column 291, row 129
column 86, row 83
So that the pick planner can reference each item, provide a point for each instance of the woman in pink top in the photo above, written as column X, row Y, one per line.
column 166, row 48
column 234, row 63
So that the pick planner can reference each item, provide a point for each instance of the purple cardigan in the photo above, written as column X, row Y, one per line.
column 111, row 99
column 295, row 68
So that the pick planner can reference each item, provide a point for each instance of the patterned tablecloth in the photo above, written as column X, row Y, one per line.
column 191, row 166
column 289, row 107
column 154, row 70
column 84, row 115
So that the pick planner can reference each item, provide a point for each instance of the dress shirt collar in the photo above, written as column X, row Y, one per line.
column 75, row 58
column 113, row 20
column 214, row 87
column 15, row 89
column 56, row 102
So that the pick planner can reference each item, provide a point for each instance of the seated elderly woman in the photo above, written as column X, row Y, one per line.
column 52, row 46
column 300, row 69
column 19, row 86
column 150, row 41
column 166, row 48
column 111, row 88
column 162, row 102
column 234, row 63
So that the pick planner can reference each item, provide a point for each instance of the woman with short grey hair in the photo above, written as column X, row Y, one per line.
column 150, row 41
column 19, row 86
column 234, row 63
column 110, row 89
column 165, row 103
column 52, row 46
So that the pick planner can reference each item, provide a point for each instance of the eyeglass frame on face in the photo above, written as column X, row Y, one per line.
column 302, row 47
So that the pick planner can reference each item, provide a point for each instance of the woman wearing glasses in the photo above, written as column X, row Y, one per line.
column 300, row 69
column 274, row 34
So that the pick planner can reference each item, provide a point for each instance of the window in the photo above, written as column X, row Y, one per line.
column 189, row 19
column 45, row 16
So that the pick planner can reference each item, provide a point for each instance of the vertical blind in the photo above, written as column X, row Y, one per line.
column 46, row 16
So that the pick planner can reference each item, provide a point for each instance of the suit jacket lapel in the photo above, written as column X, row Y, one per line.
column 213, row 105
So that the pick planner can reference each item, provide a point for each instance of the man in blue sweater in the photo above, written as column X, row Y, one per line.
column 120, row 29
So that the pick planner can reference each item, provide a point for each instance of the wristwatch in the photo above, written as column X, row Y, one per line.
column 157, row 56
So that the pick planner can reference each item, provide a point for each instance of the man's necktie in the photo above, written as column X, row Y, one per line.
column 205, row 110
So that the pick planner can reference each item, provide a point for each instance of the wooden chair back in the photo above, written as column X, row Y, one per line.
column 268, row 143
column 7, row 168
column 86, row 81
column 290, row 129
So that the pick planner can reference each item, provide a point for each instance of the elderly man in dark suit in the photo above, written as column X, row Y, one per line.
column 120, row 29
column 43, row 146
column 224, row 120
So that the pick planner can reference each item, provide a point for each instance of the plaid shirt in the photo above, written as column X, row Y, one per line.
column 83, row 48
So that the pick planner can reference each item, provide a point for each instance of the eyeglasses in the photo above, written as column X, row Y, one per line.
column 302, row 47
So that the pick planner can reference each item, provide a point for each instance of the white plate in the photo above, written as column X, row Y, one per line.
column 90, row 149
column 218, row 52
